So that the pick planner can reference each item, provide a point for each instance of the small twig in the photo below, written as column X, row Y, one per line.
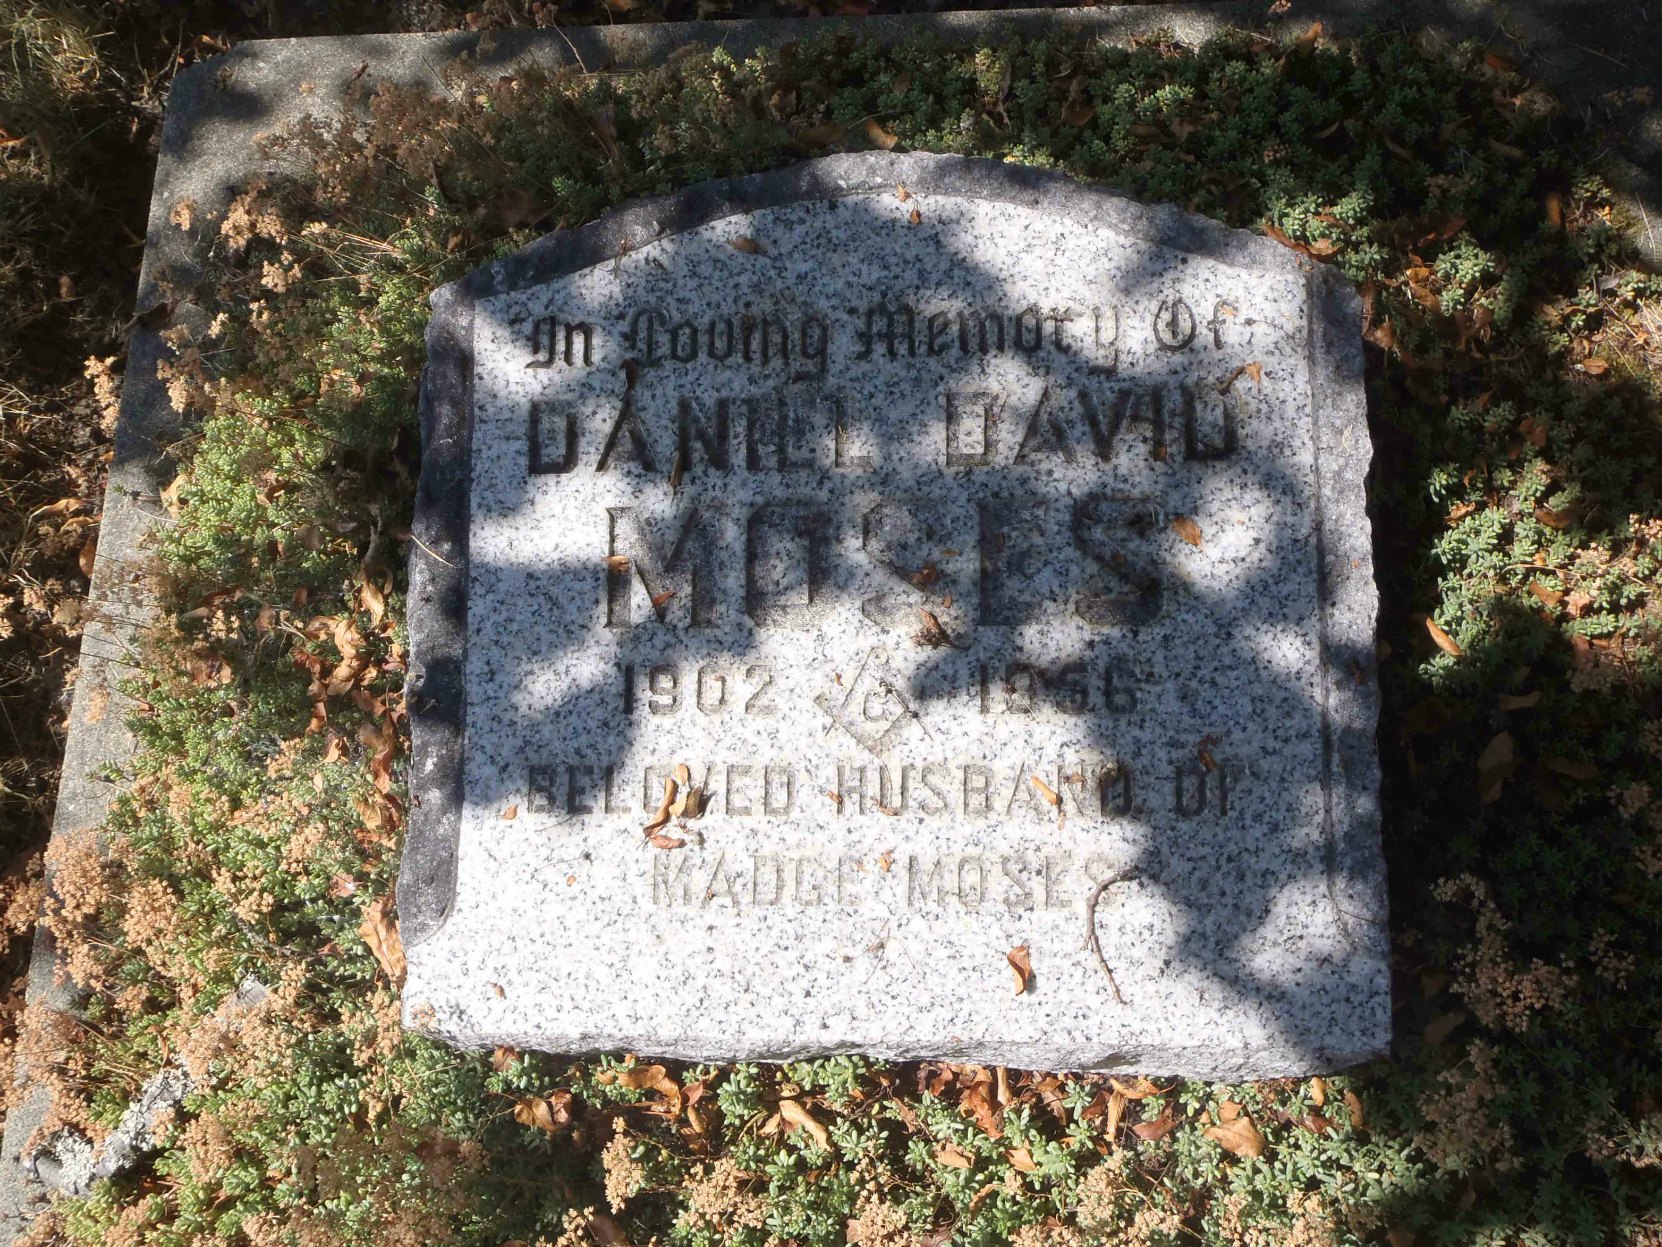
column 431, row 551
column 1125, row 876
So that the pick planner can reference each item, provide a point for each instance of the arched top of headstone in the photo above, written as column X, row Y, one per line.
column 828, row 580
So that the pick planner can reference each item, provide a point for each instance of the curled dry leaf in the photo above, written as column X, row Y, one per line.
column 1353, row 1105
column 551, row 1113
column 1050, row 794
column 880, row 137
column 916, row 217
column 1021, row 965
column 933, row 633
column 1021, row 1160
column 1318, row 1091
column 793, row 1112
column 822, row 135
column 379, row 930
column 1549, row 598
column 1444, row 641
column 1494, row 766
column 642, row 1077
column 747, row 245
column 1159, row 1128
column 1238, row 1136
column 617, row 562
column 662, row 817
column 89, row 556
column 1115, row 1114
column 508, row 815
column 1139, row 1088
column 374, row 601
column 901, row 193
column 1187, row 529
column 1569, row 767
column 954, row 1157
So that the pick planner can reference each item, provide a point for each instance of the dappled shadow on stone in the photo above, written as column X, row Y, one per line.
column 959, row 578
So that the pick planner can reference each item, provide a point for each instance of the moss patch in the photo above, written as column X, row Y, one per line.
column 1516, row 502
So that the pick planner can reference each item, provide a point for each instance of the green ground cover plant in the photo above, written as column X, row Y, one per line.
column 239, row 920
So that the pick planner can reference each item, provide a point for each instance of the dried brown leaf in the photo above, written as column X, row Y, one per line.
column 1139, row 1088
column 1159, row 1128
column 1353, row 1105
column 747, row 245
column 1021, row 964
column 1187, row 529
column 379, row 930
column 1051, row 796
column 880, row 137
column 1570, row 768
column 1550, row 598
column 796, row 1115
column 1239, row 1137
column 954, row 1157
column 1021, row 1160
column 1443, row 640
column 661, row 818
column 551, row 1113
column 641, row 1077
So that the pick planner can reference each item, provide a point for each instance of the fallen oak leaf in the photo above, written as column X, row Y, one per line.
column 1353, row 1104
column 1138, row 1089
column 1021, row 1160
column 1570, row 768
column 1021, row 965
column 379, row 930
column 1443, row 640
column 880, row 137
column 1159, row 1128
column 550, row 1114
column 1238, row 1136
column 642, row 1077
column 1549, row 598
column 796, row 1115
column 662, row 817
column 933, row 634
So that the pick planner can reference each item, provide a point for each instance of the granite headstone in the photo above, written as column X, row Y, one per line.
column 899, row 604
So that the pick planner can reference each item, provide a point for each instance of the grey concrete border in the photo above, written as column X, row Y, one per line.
column 1582, row 49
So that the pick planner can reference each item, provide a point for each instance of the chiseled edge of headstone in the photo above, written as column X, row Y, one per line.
column 438, row 577
column 1349, row 597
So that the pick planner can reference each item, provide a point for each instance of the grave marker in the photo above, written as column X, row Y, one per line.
column 833, row 580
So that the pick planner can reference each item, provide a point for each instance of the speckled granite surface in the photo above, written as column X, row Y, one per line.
column 969, row 543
